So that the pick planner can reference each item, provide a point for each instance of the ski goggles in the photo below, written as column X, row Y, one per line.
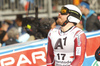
column 65, row 11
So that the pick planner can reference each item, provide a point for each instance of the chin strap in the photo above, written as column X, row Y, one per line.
column 65, row 22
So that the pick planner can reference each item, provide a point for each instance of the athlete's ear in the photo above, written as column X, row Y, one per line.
column 68, row 14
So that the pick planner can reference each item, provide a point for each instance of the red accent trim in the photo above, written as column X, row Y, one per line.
column 79, row 58
column 77, row 32
column 50, row 54
column 59, row 31
column 71, row 56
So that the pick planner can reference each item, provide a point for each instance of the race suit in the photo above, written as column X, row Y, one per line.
column 66, row 48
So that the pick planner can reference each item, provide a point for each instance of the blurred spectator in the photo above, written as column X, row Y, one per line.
column 89, row 18
column 24, row 38
column 32, row 31
column 3, row 37
column 45, row 25
column 18, row 24
column 9, row 22
column 4, row 27
column 13, row 36
column 53, row 25
column 31, row 38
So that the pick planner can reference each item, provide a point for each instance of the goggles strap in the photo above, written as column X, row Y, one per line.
column 75, row 15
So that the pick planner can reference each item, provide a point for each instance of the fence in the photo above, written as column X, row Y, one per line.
column 47, row 8
column 95, row 5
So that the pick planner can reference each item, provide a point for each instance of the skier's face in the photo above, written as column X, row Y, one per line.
column 61, row 19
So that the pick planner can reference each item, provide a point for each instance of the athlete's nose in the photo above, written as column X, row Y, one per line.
column 59, row 14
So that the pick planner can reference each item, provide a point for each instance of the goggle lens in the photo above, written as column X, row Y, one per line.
column 64, row 11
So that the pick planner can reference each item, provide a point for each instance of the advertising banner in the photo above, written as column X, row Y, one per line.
column 93, row 43
column 26, row 54
column 34, row 53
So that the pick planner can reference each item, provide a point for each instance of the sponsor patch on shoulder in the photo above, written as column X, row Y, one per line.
column 78, row 50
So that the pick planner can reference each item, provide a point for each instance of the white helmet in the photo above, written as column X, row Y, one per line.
column 72, row 18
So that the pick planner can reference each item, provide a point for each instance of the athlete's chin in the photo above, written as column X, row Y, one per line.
column 59, row 22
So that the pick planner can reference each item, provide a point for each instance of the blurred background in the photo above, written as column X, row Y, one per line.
column 24, row 21
column 32, row 18
column 46, row 8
